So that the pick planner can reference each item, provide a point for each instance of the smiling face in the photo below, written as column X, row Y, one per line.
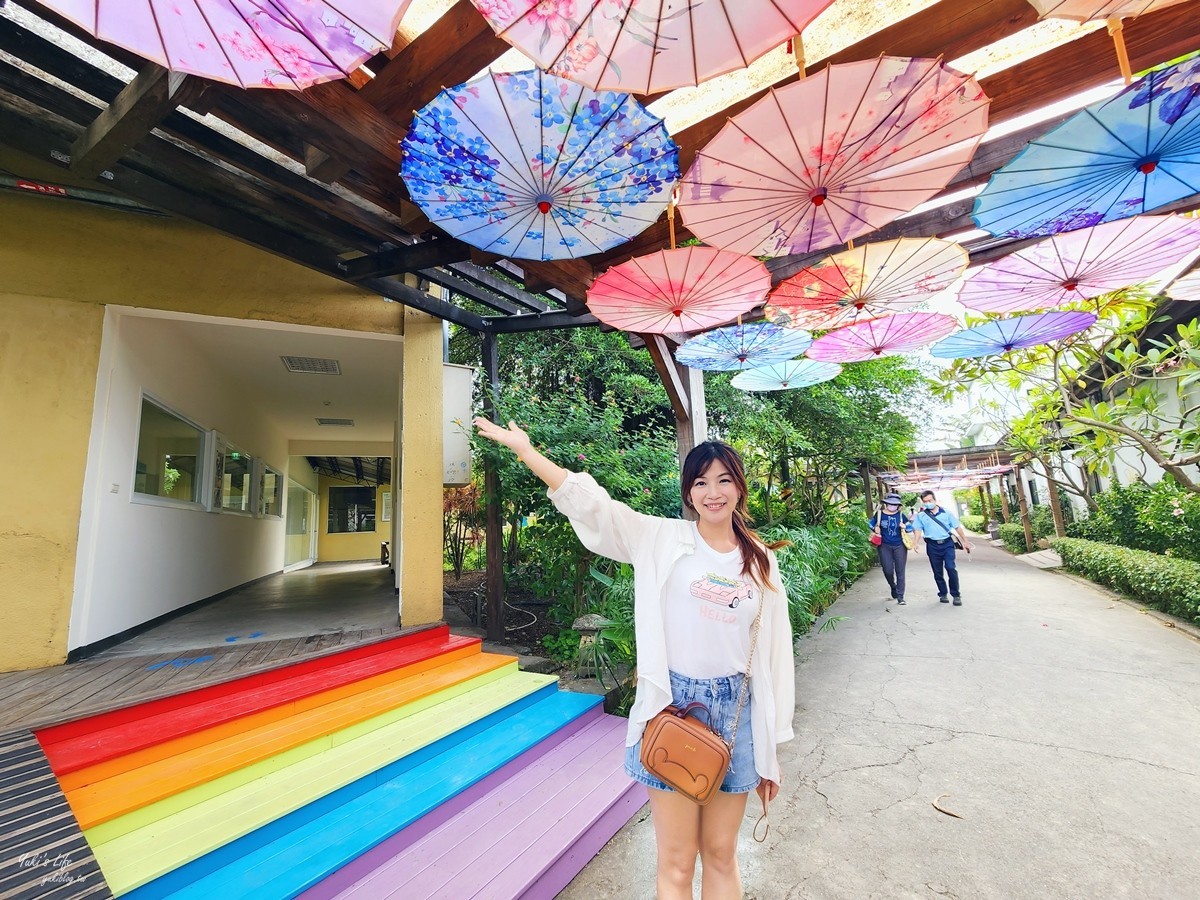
column 714, row 494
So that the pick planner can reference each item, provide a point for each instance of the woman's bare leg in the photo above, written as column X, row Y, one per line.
column 677, row 835
column 720, row 822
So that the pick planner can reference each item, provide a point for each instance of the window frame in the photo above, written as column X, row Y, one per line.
column 204, row 469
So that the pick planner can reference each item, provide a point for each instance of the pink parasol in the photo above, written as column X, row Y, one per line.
column 1078, row 265
column 867, row 281
column 883, row 336
column 1111, row 11
column 684, row 290
column 646, row 46
column 249, row 43
column 833, row 156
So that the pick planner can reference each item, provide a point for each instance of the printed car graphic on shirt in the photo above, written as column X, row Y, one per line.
column 721, row 590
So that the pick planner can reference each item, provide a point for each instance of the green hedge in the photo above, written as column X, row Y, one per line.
column 1172, row 585
column 974, row 523
column 1013, row 536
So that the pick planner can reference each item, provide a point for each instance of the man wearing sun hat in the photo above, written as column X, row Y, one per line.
column 889, row 527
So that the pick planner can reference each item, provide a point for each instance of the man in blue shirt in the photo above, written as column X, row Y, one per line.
column 935, row 527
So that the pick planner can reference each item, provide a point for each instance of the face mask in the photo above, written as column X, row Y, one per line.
column 930, row 505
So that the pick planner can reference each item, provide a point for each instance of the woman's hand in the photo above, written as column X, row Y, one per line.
column 511, row 437
column 767, row 790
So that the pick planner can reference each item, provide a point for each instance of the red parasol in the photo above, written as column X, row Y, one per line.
column 684, row 290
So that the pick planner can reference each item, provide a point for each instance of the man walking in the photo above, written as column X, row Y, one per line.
column 935, row 527
column 891, row 525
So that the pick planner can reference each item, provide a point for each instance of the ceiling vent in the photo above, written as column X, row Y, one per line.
column 311, row 365
column 344, row 423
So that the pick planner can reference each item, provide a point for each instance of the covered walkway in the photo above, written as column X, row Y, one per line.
column 1061, row 725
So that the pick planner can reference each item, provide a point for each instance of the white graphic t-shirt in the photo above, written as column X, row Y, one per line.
column 710, row 609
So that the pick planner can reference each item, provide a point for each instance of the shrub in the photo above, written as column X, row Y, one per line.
column 1160, row 518
column 1013, row 536
column 1041, row 521
column 974, row 523
column 1172, row 585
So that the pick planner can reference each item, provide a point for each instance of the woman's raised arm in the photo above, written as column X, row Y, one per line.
column 518, row 442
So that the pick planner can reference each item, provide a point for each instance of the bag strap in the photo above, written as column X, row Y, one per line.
column 762, row 820
column 737, row 717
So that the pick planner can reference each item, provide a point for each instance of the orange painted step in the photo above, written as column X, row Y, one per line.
column 87, row 742
column 138, row 759
column 106, row 799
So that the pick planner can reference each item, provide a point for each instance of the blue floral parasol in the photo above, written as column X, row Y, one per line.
column 743, row 347
column 1014, row 333
column 532, row 166
column 1123, row 156
column 785, row 376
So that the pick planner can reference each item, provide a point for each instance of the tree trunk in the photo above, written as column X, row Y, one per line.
column 1024, row 509
column 1004, row 510
column 864, row 474
column 1060, row 524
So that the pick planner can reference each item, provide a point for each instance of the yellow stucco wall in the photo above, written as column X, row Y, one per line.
column 421, row 470
column 48, row 354
column 61, row 262
column 357, row 545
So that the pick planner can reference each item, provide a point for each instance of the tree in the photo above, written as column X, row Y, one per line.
column 1108, row 388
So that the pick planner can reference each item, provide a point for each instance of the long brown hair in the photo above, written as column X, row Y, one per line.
column 755, row 562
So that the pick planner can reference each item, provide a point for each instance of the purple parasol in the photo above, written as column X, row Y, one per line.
column 1081, row 264
column 1015, row 333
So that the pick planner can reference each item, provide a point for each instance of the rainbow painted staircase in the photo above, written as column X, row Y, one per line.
column 418, row 767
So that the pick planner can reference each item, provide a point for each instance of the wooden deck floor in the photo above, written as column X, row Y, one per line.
column 39, row 697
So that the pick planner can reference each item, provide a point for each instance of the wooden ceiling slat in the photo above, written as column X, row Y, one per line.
column 408, row 258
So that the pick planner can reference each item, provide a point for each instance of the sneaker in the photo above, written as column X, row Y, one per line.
column 900, row 601
column 957, row 601
column 943, row 599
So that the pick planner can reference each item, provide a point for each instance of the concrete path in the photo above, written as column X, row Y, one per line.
column 1061, row 724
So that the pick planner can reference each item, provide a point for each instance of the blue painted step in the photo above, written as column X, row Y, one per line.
column 300, row 849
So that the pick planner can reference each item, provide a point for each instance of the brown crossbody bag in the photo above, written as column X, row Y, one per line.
column 688, row 754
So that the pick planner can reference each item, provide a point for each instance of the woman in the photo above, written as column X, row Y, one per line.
column 693, row 642
column 891, row 524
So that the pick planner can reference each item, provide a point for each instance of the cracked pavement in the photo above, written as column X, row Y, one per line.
column 1063, row 726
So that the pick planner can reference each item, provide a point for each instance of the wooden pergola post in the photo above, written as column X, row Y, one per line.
column 1004, row 510
column 1024, row 508
column 685, row 388
column 494, row 525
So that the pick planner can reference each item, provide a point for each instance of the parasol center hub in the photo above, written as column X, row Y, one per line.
column 544, row 204
column 1071, row 285
column 677, row 313
column 741, row 357
column 818, row 195
column 784, row 383
column 1146, row 166
column 1007, row 347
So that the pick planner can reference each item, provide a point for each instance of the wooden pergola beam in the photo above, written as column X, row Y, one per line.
column 143, row 103
column 409, row 258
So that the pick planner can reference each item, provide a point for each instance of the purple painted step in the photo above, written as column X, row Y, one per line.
column 527, row 836
column 381, row 853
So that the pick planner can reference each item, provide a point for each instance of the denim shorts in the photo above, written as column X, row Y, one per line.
column 720, row 695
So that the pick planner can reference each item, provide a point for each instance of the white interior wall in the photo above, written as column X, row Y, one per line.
column 140, row 560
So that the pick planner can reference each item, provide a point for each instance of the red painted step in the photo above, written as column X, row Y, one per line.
column 86, row 742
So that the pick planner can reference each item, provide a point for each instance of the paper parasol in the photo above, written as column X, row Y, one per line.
column 784, row 376
column 883, row 336
column 684, row 290
column 290, row 44
column 868, row 281
column 833, row 156
column 1121, row 157
column 535, row 167
column 646, row 46
column 742, row 347
column 1080, row 264
column 1015, row 333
